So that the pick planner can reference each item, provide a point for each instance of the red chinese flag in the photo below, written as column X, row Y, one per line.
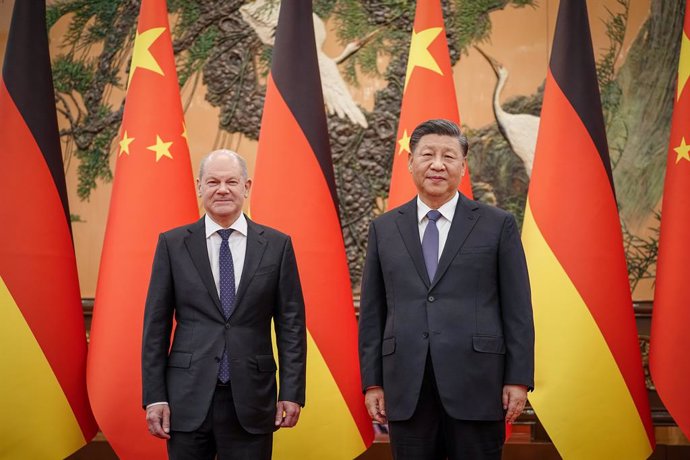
column 45, row 409
column 668, row 357
column 153, row 191
column 294, row 191
column 429, row 93
column 588, row 371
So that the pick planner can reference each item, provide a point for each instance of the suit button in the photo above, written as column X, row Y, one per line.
column 425, row 335
column 227, row 326
column 431, row 298
column 216, row 359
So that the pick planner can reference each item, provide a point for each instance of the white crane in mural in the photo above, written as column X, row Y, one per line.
column 262, row 16
column 519, row 129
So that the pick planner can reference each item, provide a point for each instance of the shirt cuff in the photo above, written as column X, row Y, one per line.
column 160, row 403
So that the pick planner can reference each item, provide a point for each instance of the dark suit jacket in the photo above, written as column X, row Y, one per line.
column 185, row 374
column 474, row 318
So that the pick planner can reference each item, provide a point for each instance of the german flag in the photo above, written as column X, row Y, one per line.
column 153, row 191
column 588, row 366
column 429, row 93
column 294, row 191
column 668, row 357
column 45, row 409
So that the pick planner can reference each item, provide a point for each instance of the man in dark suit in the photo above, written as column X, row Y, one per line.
column 224, row 279
column 445, row 329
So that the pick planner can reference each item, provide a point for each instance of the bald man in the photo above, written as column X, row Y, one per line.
column 224, row 279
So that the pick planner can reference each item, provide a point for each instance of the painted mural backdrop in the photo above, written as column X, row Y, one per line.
column 223, row 51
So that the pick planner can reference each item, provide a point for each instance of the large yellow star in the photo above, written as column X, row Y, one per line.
column 683, row 64
column 682, row 151
column 141, row 56
column 161, row 148
column 404, row 143
column 419, row 52
column 124, row 144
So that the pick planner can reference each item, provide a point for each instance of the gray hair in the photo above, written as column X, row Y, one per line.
column 227, row 153
column 441, row 127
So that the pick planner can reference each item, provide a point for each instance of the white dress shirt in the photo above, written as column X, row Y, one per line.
column 237, row 243
column 443, row 223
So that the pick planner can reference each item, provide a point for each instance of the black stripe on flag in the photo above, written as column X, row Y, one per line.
column 572, row 65
column 28, row 78
column 295, row 70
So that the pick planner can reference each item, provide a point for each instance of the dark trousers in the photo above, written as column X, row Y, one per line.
column 221, row 434
column 431, row 434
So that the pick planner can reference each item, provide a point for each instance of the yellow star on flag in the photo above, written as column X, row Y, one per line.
column 404, row 143
column 161, row 148
column 683, row 64
column 184, row 131
column 419, row 52
column 141, row 56
column 124, row 144
column 682, row 151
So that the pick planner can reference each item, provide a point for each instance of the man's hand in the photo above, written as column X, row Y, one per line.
column 158, row 420
column 514, row 399
column 287, row 414
column 376, row 405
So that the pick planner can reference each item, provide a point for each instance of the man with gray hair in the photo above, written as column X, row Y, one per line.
column 224, row 279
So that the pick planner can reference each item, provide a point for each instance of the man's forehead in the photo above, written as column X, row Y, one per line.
column 438, row 140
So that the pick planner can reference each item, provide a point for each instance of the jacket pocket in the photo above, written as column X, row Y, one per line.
column 266, row 270
column 266, row 363
column 180, row 359
column 478, row 250
column 388, row 346
column 489, row 344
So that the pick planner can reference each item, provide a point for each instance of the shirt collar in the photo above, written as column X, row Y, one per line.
column 447, row 210
column 239, row 226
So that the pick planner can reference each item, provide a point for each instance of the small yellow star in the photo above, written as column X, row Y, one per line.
column 404, row 143
column 141, row 56
column 161, row 148
column 682, row 151
column 683, row 64
column 124, row 144
column 184, row 131
column 419, row 52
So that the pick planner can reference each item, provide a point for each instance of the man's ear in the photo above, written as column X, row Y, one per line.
column 247, row 187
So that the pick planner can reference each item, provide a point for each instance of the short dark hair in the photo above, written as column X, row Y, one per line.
column 442, row 127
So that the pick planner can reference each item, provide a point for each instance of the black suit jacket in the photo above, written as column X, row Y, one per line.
column 474, row 317
column 185, row 374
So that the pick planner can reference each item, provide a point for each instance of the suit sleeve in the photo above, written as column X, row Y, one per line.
column 158, row 318
column 290, row 327
column 372, row 316
column 516, row 307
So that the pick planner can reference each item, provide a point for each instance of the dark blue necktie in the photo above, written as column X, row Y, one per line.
column 430, row 243
column 226, row 282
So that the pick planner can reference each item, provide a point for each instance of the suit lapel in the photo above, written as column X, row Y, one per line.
column 256, row 245
column 198, row 251
column 409, row 230
column 464, row 220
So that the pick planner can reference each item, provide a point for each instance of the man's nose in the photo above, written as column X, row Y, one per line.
column 437, row 162
column 223, row 188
